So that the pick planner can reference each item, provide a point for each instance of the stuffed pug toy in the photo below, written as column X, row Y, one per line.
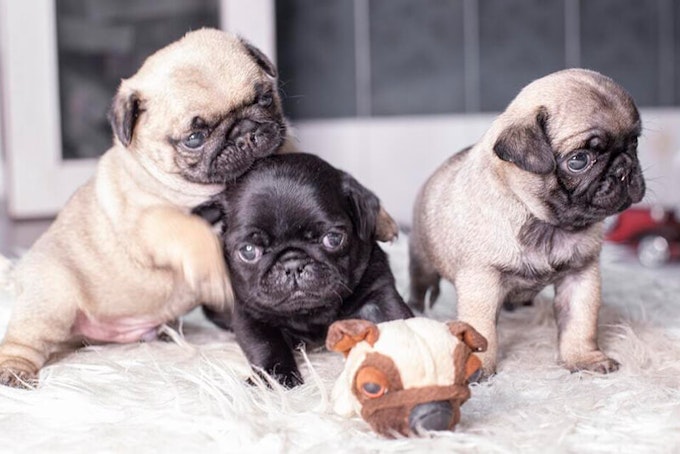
column 404, row 376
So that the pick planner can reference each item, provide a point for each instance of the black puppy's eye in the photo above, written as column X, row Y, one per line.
column 250, row 253
column 333, row 240
column 579, row 162
column 265, row 99
column 195, row 140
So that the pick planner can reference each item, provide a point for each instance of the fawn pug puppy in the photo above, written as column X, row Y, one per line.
column 125, row 255
column 523, row 209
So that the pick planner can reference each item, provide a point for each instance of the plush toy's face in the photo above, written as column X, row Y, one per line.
column 405, row 376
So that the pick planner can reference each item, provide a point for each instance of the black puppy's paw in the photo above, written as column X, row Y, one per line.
column 288, row 380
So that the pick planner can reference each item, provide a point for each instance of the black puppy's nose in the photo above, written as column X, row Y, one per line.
column 294, row 266
column 431, row 416
column 294, row 262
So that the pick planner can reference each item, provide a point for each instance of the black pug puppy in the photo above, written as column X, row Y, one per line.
column 299, row 240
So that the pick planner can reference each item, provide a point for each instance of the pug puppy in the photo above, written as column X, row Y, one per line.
column 125, row 254
column 523, row 209
column 299, row 238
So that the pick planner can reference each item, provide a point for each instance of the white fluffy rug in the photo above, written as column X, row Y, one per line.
column 189, row 395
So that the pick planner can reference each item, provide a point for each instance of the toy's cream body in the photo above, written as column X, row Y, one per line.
column 404, row 376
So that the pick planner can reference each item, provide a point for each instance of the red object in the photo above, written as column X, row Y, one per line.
column 635, row 223
column 655, row 232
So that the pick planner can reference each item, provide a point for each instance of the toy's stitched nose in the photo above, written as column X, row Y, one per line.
column 431, row 416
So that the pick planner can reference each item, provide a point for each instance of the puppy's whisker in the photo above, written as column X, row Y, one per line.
column 345, row 286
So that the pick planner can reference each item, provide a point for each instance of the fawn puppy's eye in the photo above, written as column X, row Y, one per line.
column 195, row 140
column 265, row 99
column 579, row 162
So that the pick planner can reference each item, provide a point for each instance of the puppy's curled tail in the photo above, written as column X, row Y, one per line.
column 423, row 279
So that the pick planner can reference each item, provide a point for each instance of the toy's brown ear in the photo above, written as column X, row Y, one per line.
column 343, row 335
column 468, row 335
column 472, row 365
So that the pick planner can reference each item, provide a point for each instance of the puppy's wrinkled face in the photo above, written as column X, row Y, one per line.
column 598, row 176
column 215, row 149
column 579, row 134
column 204, row 108
column 297, row 236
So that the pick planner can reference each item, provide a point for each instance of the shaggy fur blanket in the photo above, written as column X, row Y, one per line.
column 189, row 395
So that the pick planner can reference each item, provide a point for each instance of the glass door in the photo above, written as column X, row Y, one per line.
column 101, row 42
column 61, row 64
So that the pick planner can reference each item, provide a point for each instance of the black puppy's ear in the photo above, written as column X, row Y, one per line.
column 212, row 211
column 123, row 115
column 260, row 58
column 528, row 146
column 365, row 206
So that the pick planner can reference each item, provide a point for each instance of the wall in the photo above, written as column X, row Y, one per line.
column 2, row 166
column 379, row 152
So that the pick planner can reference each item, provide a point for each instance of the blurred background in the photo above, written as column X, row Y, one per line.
column 386, row 89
